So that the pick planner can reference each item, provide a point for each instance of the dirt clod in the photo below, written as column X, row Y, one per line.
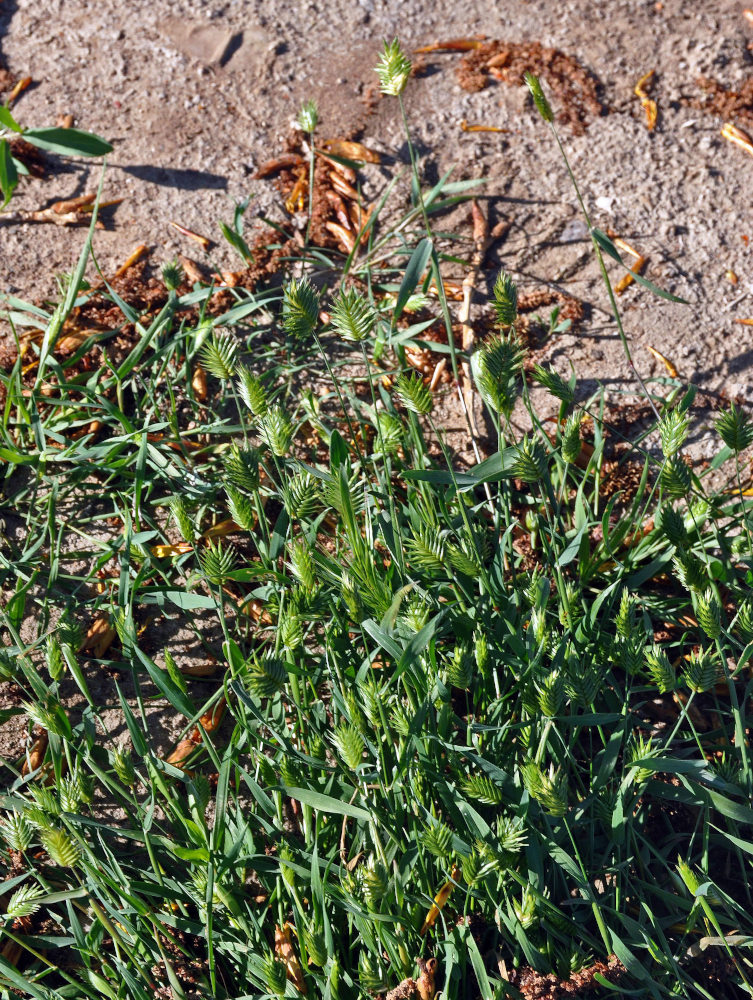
column 575, row 88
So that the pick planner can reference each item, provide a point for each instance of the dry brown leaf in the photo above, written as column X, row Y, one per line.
column 199, row 383
column 220, row 530
column 35, row 756
column 453, row 45
column 648, row 105
column 99, row 637
column 351, row 150
column 297, row 197
column 163, row 551
column 465, row 127
column 346, row 238
column 440, row 900
column 736, row 135
column 18, row 90
column 203, row 241
column 627, row 280
column 342, row 186
column 665, row 361
column 286, row 953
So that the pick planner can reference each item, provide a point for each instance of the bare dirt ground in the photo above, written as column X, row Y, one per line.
column 195, row 96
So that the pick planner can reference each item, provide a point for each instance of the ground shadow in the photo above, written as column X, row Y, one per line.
column 7, row 9
column 183, row 180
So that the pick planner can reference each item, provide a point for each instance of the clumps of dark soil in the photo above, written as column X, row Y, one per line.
column 570, row 308
column 530, row 327
column 533, row 986
column 187, row 970
column 575, row 88
column 29, row 155
column 731, row 105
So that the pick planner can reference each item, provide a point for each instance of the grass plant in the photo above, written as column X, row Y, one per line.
column 485, row 716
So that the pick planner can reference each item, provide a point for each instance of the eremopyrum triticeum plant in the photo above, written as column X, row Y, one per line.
column 220, row 355
column 709, row 612
column 173, row 275
column 252, row 392
column 546, row 787
column 571, row 443
column 413, row 393
column 539, row 97
column 393, row 69
column 735, row 428
column 703, row 670
column 352, row 315
column 276, row 429
column 24, row 902
column 182, row 519
column 300, row 309
column 17, row 831
column 660, row 669
column 673, row 429
column 505, row 300
column 61, row 847
column 54, row 657
column 308, row 117
column 554, row 383
column 240, row 507
column 437, row 839
column 217, row 562
column 496, row 368
column 671, row 523
column 242, row 468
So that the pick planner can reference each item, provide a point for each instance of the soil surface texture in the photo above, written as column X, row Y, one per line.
column 195, row 97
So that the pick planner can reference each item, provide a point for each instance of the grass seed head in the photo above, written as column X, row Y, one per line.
column 675, row 478
column 352, row 316
column 17, row 831
column 308, row 117
column 660, row 669
column 61, row 847
column 571, row 442
column 496, row 369
column 671, row 523
column 735, row 429
column 173, row 275
column 182, row 519
column 702, row 671
column 539, row 97
column 393, row 69
column 242, row 468
column 673, row 429
column 220, row 356
column 218, row 562
column 277, row 430
column 300, row 309
column 252, row 392
column 414, row 394
column 709, row 612
column 24, row 902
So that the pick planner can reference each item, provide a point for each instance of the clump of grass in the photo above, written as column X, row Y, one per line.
column 428, row 732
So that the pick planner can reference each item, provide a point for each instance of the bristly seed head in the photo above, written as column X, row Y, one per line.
column 300, row 308
column 352, row 315
column 505, row 299
column 173, row 275
column 413, row 393
column 393, row 69
column 539, row 97
column 308, row 117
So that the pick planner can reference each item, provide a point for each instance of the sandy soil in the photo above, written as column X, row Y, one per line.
column 195, row 96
